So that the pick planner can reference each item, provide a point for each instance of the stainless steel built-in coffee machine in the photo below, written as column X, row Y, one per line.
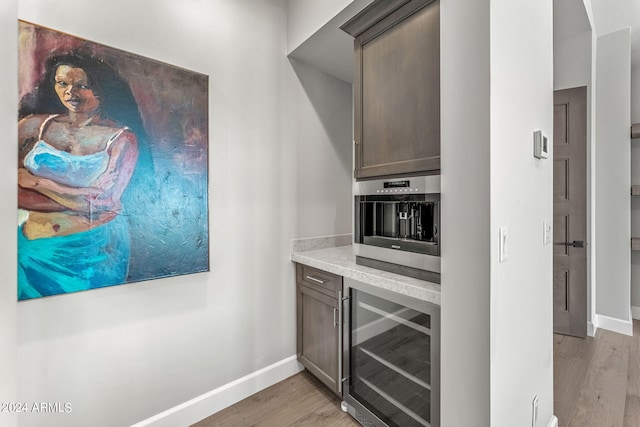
column 397, row 226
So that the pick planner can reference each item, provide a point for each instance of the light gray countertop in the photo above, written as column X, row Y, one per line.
column 341, row 260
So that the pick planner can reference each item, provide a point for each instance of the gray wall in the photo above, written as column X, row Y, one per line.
column 613, row 177
column 318, row 129
column 497, row 84
column 8, row 214
column 572, row 62
column 466, row 236
column 635, row 201
column 305, row 17
column 125, row 353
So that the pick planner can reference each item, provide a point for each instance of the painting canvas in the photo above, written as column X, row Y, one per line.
column 112, row 166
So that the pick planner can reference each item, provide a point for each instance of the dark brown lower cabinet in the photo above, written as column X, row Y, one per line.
column 318, row 295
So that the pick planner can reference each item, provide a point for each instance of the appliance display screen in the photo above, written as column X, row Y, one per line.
column 397, row 184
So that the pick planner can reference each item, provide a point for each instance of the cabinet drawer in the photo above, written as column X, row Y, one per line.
column 318, row 279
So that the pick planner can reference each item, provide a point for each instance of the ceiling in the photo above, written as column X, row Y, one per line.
column 331, row 50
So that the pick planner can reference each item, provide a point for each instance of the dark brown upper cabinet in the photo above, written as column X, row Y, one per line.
column 396, row 88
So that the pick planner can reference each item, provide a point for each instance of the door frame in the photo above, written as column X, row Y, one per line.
column 591, row 232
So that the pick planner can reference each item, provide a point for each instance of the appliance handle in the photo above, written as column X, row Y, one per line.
column 340, row 337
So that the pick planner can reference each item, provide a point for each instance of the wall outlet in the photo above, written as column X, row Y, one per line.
column 534, row 412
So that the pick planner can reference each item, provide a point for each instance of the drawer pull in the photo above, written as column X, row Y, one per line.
column 315, row 279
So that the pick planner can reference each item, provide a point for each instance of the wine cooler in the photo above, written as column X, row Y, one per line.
column 391, row 358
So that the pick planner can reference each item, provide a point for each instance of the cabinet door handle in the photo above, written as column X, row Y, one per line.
column 315, row 279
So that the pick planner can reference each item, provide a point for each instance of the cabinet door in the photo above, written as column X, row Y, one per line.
column 397, row 94
column 318, row 335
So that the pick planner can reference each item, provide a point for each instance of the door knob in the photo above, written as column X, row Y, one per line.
column 575, row 244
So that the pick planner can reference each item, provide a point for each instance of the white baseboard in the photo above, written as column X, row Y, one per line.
column 553, row 422
column 635, row 312
column 612, row 324
column 591, row 329
column 200, row 407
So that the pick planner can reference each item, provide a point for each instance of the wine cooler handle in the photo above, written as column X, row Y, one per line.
column 340, row 337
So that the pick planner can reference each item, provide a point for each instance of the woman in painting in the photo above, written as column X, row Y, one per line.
column 79, row 138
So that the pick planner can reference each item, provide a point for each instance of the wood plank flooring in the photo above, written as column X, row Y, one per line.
column 596, row 384
column 300, row 400
column 632, row 407
column 597, row 380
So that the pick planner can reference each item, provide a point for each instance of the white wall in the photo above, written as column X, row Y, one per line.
column 635, row 201
column 327, row 48
column 305, row 17
column 319, row 131
column 613, row 177
column 465, row 149
column 8, row 217
column 497, row 89
column 521, row 199
column 572, row 62
column 125, row 353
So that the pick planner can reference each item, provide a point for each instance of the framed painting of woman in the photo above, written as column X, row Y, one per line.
column 112, row 166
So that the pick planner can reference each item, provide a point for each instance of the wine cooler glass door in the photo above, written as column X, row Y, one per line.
column 390, row 360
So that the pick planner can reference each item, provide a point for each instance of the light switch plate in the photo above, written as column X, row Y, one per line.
column 503, row 244
column 546, row 232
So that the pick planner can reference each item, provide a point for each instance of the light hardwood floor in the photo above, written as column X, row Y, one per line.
column 597, row 380
column 300, row 400
column 596, row 384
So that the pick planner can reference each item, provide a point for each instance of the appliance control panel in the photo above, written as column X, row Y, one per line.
column 397, row 190
column 412, row 185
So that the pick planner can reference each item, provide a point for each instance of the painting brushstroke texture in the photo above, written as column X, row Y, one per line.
column 112, row 166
